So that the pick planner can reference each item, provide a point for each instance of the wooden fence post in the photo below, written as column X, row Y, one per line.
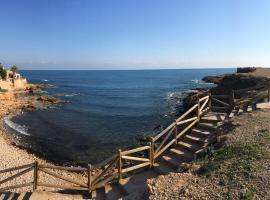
column 269, row 93
column 89, row 178
column 232, row 99
column 120, row 165
column 35, row 182
column 198, row 109
column 151, row 152
column 176, row 132
column 210, row 100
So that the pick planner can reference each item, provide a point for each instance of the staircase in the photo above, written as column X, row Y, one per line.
column 188, row 144
column 186, row 149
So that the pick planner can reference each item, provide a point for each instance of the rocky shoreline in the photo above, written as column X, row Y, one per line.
column 11, row 155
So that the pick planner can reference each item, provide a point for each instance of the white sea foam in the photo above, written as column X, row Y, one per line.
column 68, row 95
column 45, row 80
column 200, row 82
column 72, row 94
column 17, row 127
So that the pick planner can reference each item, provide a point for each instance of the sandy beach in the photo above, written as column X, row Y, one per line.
column 12, row 156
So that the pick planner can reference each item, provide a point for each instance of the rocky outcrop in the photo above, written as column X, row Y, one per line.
column 49, row 99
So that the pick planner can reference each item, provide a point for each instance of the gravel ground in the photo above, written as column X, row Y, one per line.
column 238, row 169
column 12, row 156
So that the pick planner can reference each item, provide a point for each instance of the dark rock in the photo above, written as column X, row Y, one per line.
column 49, row 99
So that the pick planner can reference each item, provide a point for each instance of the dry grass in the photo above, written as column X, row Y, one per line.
column 240, row 169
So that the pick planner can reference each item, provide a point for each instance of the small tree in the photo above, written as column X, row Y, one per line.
column 14, row 69
column 3, row 72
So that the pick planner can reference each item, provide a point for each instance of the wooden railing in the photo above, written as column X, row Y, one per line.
column 118, row 165
column 130, row 161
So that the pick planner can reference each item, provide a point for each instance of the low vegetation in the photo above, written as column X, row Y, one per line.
column 239, row 169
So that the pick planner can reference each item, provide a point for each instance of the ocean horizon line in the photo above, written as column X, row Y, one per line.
column 148, row 69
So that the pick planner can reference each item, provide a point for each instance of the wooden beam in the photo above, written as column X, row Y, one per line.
column 68, row 187
column 135, row 150
column 187, row 120
column 164, row 148
column 135, row 158
column 136, row 167
column 64, row 178
column 221, row 102
column 16, row 168
column 74, row 169
column 16, row 175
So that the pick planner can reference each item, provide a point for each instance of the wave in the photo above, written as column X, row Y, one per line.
column 69, row 95
column 17, row 127
column 174, row 102
column 200, row 82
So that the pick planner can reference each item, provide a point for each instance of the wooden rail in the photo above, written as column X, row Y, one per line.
column 123, row 162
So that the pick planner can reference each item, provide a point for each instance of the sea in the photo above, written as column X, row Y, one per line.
column 103, row 110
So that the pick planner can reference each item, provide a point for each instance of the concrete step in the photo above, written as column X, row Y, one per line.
column 114, row 191
column 163, row 168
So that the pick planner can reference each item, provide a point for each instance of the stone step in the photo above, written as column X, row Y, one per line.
column 220, row 109
column 163, row 168
column 198, row 140
column 184, row 156
column 199, row 133
column 208, row 126
column 223, row 96
column 99, row 194
column 12, row 196
column 137, row 183
column 213, row 118
column 192, row 147
column 172, row 160
column 114, row 191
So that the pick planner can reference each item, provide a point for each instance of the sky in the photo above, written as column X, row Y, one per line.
column 134, row 34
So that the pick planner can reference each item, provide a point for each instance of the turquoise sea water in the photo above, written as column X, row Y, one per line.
column 106, row 110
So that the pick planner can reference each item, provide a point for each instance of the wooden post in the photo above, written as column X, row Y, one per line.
column 89, row 178
column 176, row 132
column 210, row 100
column 120, row 165
column 232, row 99
column 198, row 109
column 35, row 182
column 268, row 93
column 151, row 152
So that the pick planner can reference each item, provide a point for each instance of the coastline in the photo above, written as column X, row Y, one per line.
column 10, row 154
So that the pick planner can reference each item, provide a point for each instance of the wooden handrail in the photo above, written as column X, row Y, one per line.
column 135, row 150
column 16, row 168
column 74, row 169
column 117, row 161
column 63, row 178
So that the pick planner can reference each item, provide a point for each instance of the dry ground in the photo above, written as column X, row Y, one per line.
column 240, row 169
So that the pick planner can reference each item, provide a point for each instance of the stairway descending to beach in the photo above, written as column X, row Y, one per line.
column 183, row 147
column 185, row 150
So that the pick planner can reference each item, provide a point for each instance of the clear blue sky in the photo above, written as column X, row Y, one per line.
column 128, row 34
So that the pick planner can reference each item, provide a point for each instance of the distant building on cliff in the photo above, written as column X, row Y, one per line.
column 13, row 81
